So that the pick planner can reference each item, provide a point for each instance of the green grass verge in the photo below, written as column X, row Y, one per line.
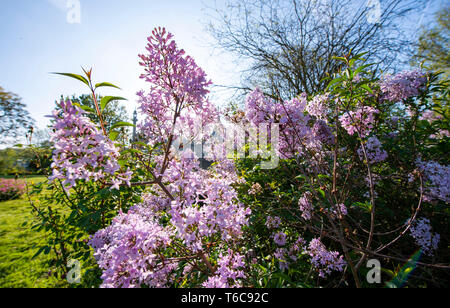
column 18, row 246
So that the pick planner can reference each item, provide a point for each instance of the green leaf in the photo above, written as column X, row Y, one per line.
column 359, row 56
column 391, row 285
column 340, row 59
column 361, row 68
column 75, row 76
column 113, row 135
column 107, row 99
column 85, row 108
column 321, row 192
column 366, row 206
column 334, row 81
column 301, row 177
column 106, row 84
column 367, row 88
column 121, row 124
column 324, row 176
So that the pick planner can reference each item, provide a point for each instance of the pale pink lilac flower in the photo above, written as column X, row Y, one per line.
column 255, row 189
column 402, row 86
column 290, row 115
column 305, row 206
column 360, row 121
column 203, row 204
column 229, row 272
column 318, row 106
column 82, row 151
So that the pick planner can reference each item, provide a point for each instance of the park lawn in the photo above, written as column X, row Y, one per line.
column 18, row 244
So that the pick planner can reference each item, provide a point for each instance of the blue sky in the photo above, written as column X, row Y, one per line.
column 36, row 39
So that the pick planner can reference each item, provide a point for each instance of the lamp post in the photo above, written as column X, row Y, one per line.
column 134, row 127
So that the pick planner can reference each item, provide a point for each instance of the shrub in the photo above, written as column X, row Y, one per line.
column 362, row 173
column 11, row 189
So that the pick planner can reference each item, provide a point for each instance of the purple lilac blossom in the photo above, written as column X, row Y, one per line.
column 82, row 151
column 402, row 86
column 420, row 230
column 323, row 260
column 374, row 151
column 305, row 206
column 280, row 238
column 437, row 181
column 360, row 121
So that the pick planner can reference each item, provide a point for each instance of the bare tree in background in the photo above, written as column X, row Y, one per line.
column 291, row 43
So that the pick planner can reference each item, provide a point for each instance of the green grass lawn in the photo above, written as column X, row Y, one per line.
column 18, row 246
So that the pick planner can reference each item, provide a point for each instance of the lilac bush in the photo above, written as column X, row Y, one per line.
column 356, row 162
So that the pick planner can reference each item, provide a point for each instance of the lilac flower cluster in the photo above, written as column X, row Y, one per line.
column 318, row 106
column 283, row 261
column 280, row 238
column 305, row 206
column 402, row 86
column 173, row 75
column 432, row 116
column 360, row 121
column 82, row 151
column 273, row 222
column 437, row 178
column 219, row 214
column 294, row 129
column 322, row 132
column 255, row 189
column 129, row 250
column 229, row 271
column 341, row 210
column 420, row 230
column 197, row 206
column 178, row 89
column 323, row 260
column 374, row 151
column 205, row 207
